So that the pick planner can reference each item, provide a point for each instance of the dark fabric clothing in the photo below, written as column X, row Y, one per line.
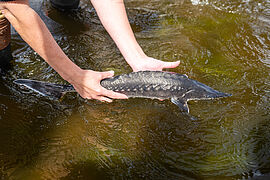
column 5, row 58
column 65, row 4
column 5, row 54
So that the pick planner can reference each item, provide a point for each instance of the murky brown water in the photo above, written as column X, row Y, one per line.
column 224, row 44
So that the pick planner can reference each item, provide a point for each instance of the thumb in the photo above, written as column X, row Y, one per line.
column 107, row 74
column 171, row 64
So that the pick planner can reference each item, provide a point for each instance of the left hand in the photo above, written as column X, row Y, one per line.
column 152, row 64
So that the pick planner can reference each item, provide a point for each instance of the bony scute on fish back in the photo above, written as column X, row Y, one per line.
column 144, row 84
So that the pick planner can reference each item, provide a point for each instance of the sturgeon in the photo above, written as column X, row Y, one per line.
column 144, row 84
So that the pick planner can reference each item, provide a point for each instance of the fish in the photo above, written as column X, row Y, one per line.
column 142, row 84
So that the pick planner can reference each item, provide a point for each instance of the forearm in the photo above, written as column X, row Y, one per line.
column 113, row 16
column 32, row 29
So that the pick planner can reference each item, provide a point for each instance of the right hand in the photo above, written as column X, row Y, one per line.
column 152, row 64
column 87, row 84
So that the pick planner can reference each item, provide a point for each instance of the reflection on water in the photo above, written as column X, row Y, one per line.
column 224, row 44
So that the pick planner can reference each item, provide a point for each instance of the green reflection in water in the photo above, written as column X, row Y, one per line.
column 224, row 44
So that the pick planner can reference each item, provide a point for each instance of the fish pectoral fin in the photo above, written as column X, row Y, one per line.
column 181, row 103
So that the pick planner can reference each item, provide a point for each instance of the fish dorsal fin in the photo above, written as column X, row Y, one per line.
column 181, row 103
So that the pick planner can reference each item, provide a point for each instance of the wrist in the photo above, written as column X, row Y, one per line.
column 134, row 56
column 70, row 72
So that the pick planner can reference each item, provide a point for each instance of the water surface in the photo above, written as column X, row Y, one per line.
column 224, row 44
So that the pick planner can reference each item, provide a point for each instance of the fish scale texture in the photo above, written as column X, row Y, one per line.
column 158, row 85
column 152, row 84
column 146, row 84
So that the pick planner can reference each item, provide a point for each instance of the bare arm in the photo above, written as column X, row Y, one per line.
column 113, row 16
column 33, row 30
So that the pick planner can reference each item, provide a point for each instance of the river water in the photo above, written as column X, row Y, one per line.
column 224, row 44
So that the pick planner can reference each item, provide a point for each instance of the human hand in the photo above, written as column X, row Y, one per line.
column 148, row 63
column 87, row 84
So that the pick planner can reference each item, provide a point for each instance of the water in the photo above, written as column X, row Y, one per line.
column 224, row 44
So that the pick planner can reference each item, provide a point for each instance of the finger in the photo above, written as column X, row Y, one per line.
column 114, row 95
column 104, row 99
column 85, row 96
column 107, row 74
column 171, row 64
column 81, row 93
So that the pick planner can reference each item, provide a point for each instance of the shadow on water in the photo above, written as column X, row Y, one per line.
column 224, row 44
